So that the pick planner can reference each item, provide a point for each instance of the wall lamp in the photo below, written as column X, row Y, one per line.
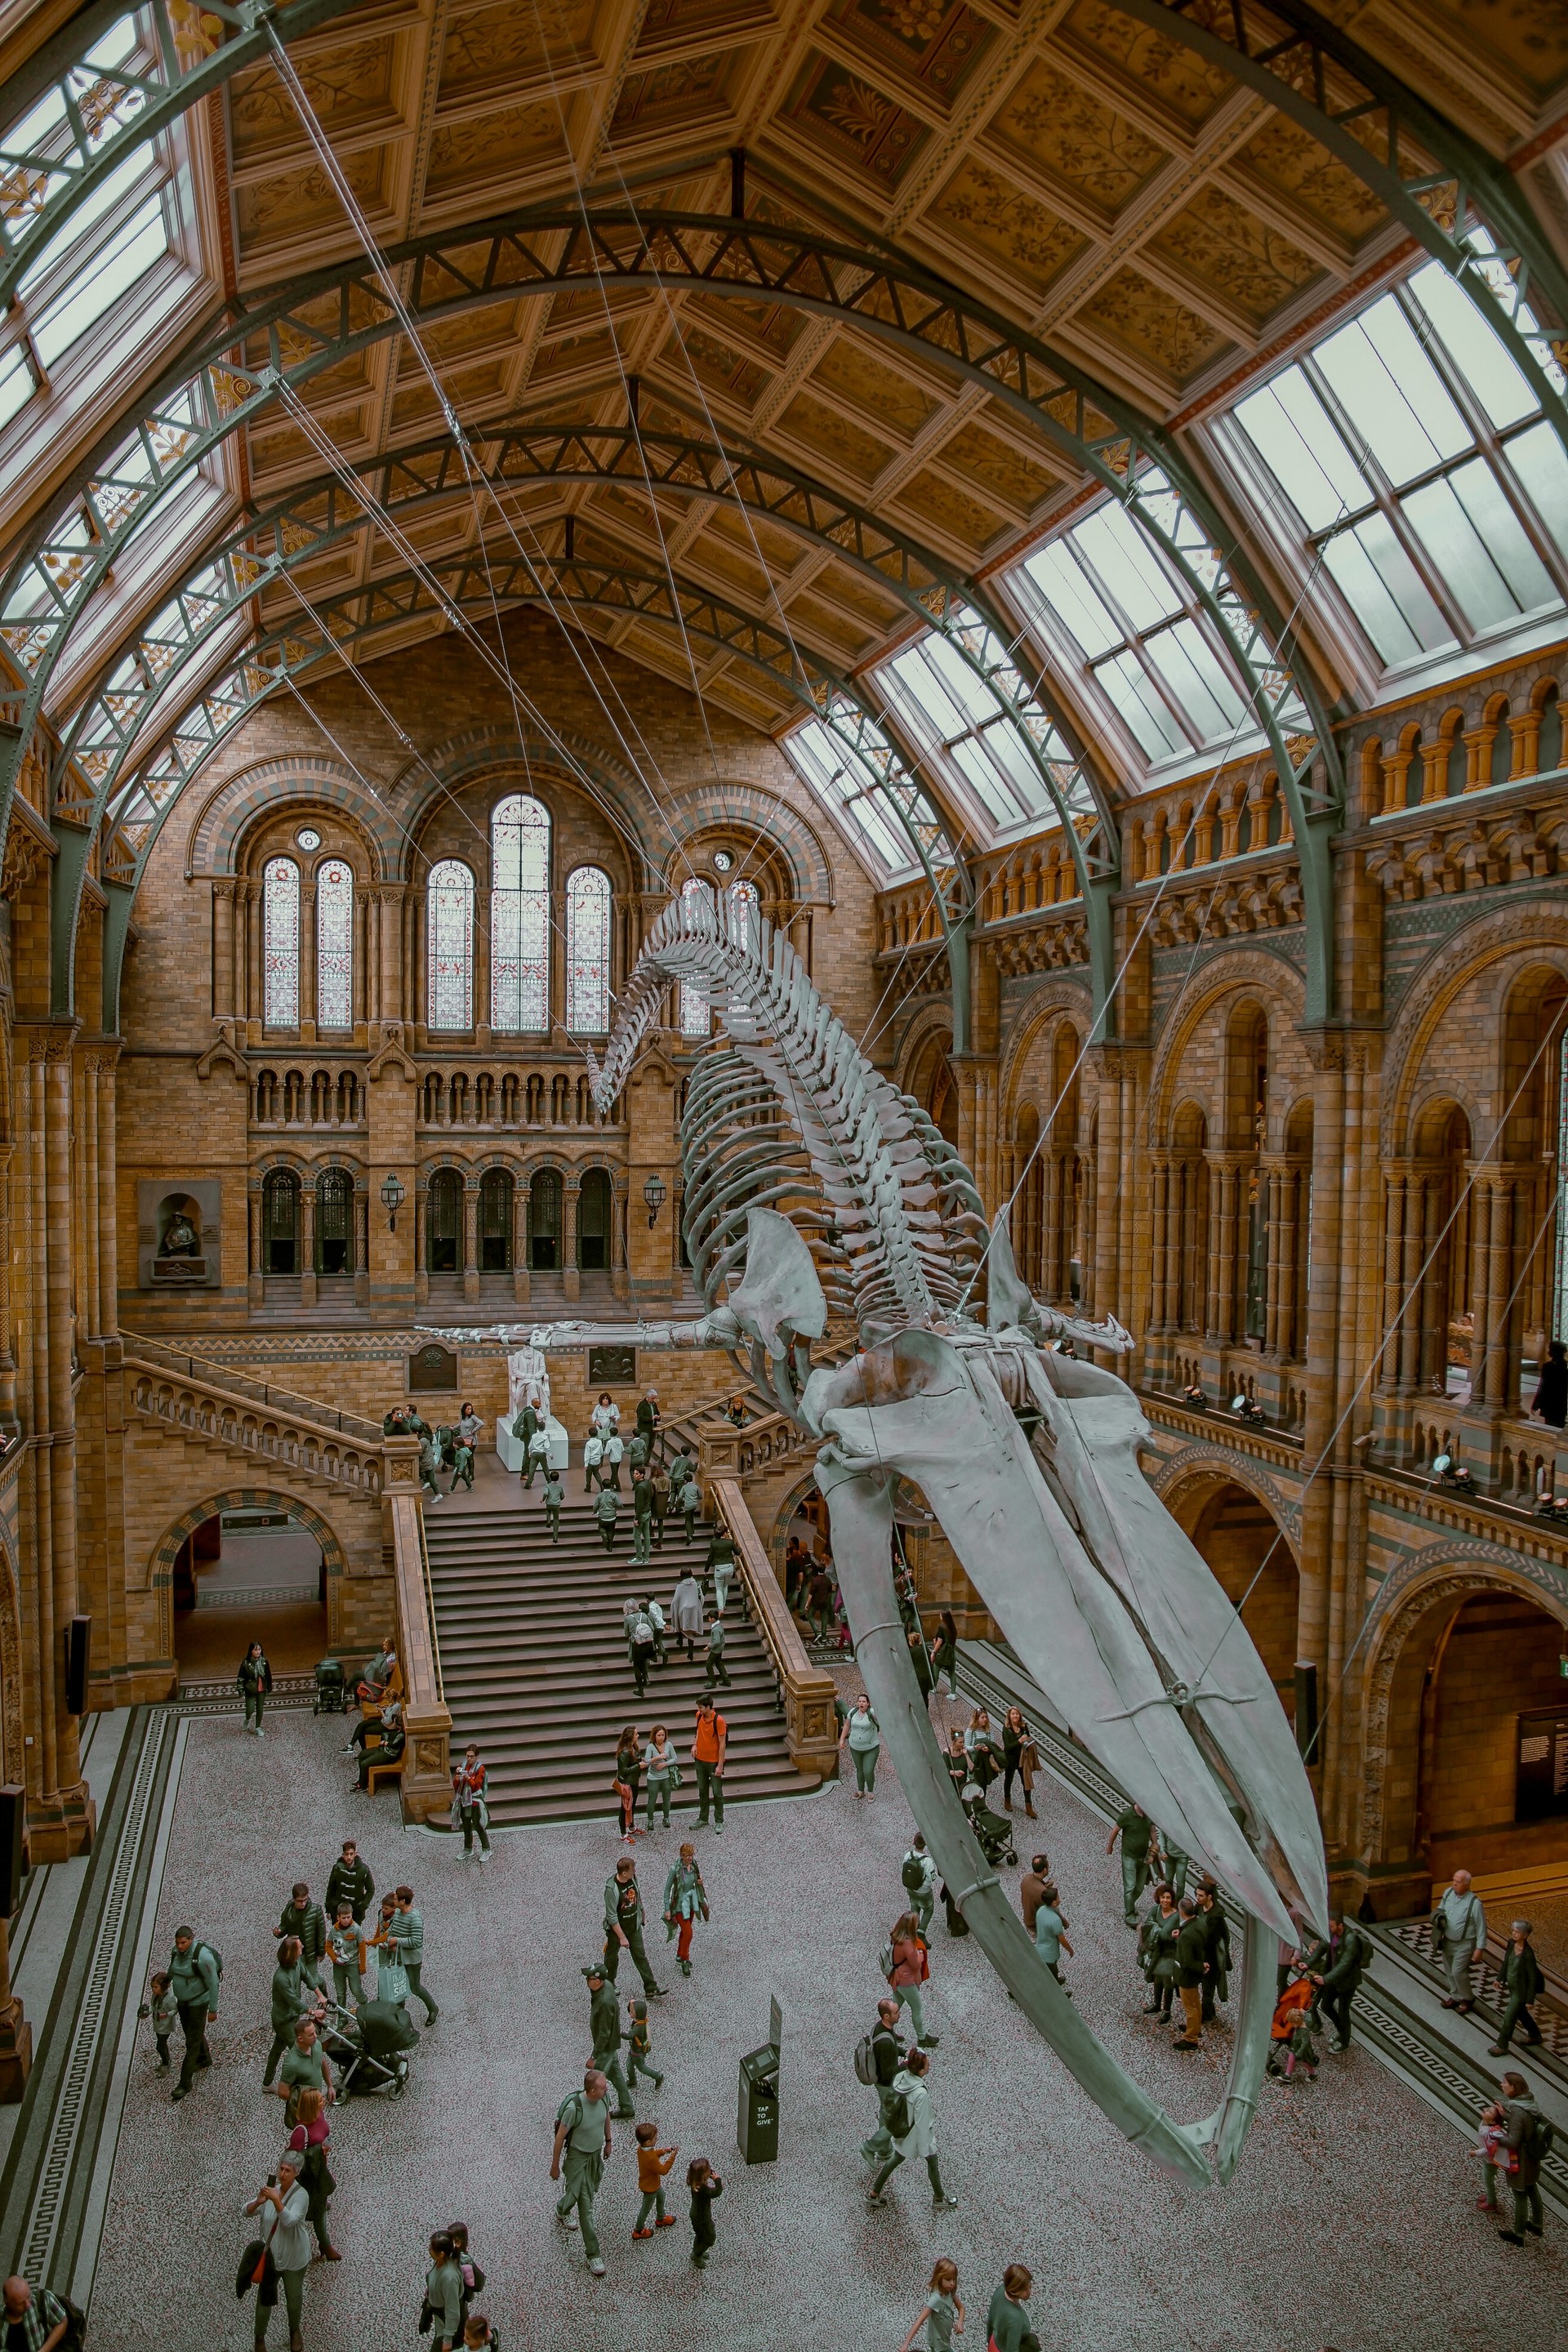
column 653, row 1193
column 391, row 1199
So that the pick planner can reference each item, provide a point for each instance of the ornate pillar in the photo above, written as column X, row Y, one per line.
column 361, row 1243
column 1160, row 1250
column 253, row 1276
column 571, row 1188
column 522, row 1288
column 106, row 1088
column 389, row 993
column 1394, row 1192
column 1433, row 1371
column 470, row 1240
column 307, row 1244
column 308, row 958
column 223, row 949
column 421, row 1243
column 1408, row 1305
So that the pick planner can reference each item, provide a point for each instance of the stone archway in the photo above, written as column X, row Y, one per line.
column 1248, row 1542
column 160, row 1569
column 1462, row 1651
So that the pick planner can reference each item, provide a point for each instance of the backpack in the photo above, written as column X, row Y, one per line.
column 201, row 1946
column 1539, row 2138
column 897, row 2115
column 865, row 2062
column 913, row 1873
column 885, row 1959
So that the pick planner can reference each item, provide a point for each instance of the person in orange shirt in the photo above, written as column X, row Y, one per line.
column 708, row 1756
column 652, row 2163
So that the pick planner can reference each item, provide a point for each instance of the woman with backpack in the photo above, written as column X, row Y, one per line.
column 907, row 1969
column 914, row 2129
column 1527, row 2140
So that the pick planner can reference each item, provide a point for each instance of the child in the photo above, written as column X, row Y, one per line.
column 477, row 2335
column 705, row 2185
column 607, row 1505
column 164, row 2011
column 941, row 2316
column 555, row 1496
column 652, row 2163
column 538, row 1456
column 637, row 2044
column 343, row 1946
column 462, row 1466
column 473, row 2277
column 1289, row 2014
column 1491, row 2144
column 593, row 1455
column 614, row 1450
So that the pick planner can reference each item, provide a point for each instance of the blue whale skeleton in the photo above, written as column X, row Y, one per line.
column 816, row 1192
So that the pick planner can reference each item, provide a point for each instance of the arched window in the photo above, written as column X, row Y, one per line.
column 444, row 1223
column 334, row 945
column 544, row 1221
column 280, row 911
column 743, row 909
column 451, row 946
column 335, row 1221
column 495, row 1222
column 281, row 1222
column 594, row 1221
column 588, row 949
column 694, row 1014
column 520, row 914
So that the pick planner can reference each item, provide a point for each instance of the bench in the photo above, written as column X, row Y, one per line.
column 393, row 1771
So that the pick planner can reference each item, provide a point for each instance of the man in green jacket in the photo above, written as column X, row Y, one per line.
column 1136, row 1831
column 605, row 2024
column 1522, row 1982
column 607, row 1504
column 623, row 1925
column 306, row 2068
column 583, row 2135
column 193, row 1981
column 292, row 2000
column 1335, row 1968
column 307, row 1921
column 642, row 1515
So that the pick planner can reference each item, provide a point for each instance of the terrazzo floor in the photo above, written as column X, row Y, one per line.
column 1351, row 2224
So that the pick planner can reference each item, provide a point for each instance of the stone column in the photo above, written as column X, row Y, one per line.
column 89, row 1224
column 1433, row 1373
column 254, row 1275
column 470, row 1240
column 308, row 1245
column 1408, row 1304
column 1393, row 1206
column 571, row 1188
column 223, row 949
column 1160, row 1254
column 307, row 959
column 106, row 1088
column 362, row 1244
column 522, row 1288
column 389, row 1005
column 421, row 1243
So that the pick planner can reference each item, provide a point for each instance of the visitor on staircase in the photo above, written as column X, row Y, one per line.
column 555, row 1496
column 686, row 1612
column 607, row 1509
column 593, row 1458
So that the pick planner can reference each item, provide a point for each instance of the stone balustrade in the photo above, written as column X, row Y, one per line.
column 806, row 1691
column 309, row 1443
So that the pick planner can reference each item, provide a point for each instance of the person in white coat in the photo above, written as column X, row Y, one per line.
column 686, row 1613
column 919, row 2135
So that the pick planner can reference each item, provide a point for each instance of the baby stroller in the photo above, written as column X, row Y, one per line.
column 369, row 2048
column 332, row 1687
column 994, row 1831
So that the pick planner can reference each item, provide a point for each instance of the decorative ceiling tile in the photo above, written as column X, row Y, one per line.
column 834, row 437
column 493, row 148
column 1222, row 245
column 1290, row 161
column 573, row 353
column 778, row 549
column 349, row 91
column 829, row 627
column 771, row 325
column 1178, row 82
column 849, row 119
column 717, row 556
column 853, row 589
column 984, row 209
column 673, row 93
column 490, row 50
column 1076, row 137
column 1145, row 319
column 1528, row 36
column 934, row 44
column 289, row 449
column 962, row 519
column 997, row 467
column 715, row 366
column 298, row 202
column 665, row 21
column 881, row 390
column 469, row 387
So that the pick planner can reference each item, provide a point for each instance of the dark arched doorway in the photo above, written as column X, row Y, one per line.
column 244, row 1575
column 495, row 1222
column 1243, row 1545
column 444, row 1223
column 594, row 1221
column 544, row 1221
column 281, row 1222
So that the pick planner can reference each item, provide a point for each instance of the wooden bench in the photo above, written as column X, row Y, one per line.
column 393, row 1771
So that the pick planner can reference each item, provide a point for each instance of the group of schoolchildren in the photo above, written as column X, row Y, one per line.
column 449, row 1447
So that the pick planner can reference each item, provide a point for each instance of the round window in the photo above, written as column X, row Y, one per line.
column 722, row 861
column 308, row 837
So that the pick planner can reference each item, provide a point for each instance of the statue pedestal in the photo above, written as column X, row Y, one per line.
column 511, row 1448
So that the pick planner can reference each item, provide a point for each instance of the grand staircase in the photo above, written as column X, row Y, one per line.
column 535, row 1665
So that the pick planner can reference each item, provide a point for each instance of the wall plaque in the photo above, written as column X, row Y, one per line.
column 612, row 1368
column 431, row 1369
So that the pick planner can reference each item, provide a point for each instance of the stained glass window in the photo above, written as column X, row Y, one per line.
column 520, row 914
column 280, row 910
column 693, row 1014
column 451, row 946
column 588, row 903
column 743, row 909
column 334, row 945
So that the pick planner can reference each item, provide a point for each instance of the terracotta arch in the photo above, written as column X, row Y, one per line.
column 160, row 1561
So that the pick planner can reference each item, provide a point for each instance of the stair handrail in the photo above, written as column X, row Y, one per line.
column 811, row 1728
column 156, row 1355
column 426, row 1786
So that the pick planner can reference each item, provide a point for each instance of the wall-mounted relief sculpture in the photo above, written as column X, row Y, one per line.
column 179, row 1236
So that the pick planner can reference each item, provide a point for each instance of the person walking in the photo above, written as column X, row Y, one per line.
column 605, row 2025
column 686, row 1613
column 1216, row 1947
column 655, row 1618
column 881, row 2055
column 350, row 1881
column 1527, row 2140
column 1190, row 1963
column 607, row 1509
column 691, row 1498
column 444, row 2293
column 642, row 1645
column 405, row 1932
column 308, row 2141
column 648, row 1414
column 583, row 2138
column 907, row 1968
column 941, row 2314
column 1007, row 2325
column 1336, row 1968
column 345, row 1952
column 306, row 2067
column 1020, row 1757
column 918, row 1873
column 911, row 2106
column 163, row 2010
column 307, row 1922
column 642, row 1517
column 1136, row 1831
column 524, row 1427
column 194, row 1975
column 819, row 1600
column 983, row 1749
column 718, row 1672
column 721, row 1566
column 1157, row 1950
column 862, row 1734
column 709, row 1747
column 292, row 2000
column 659, row 1491
column 652, row 2163
column 623, row 1925
column 593, row 1460
column 1522, row 1982
column 920, row 1662
column 628, row 1777
column 659, row 1769
column 1050, row 1932
column 429, row 1463
column 253, row 1683
column 470, row 1807
column 462, row 1466
column 639, row 2046
column 685, row 1900
column 613, row 1454
column 1458, row 1933
column 36, row 2319
column 538, row 1458
column 555, row 1496
column 1032, row 1889
column 705, row 2186
column 284, row 2234
column 944, row 1653
column 1550, row 1402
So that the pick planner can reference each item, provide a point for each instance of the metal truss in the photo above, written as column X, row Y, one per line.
column 1466, row 209
column 292, row 335
column 67, row 121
